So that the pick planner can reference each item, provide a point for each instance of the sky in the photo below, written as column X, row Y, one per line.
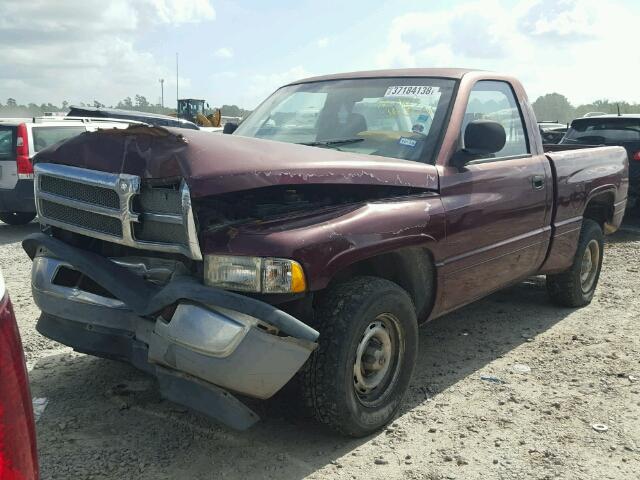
column 238, row 52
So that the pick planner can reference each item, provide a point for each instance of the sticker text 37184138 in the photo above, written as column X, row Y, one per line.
column 411, row 91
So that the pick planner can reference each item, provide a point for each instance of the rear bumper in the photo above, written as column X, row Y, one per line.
column 214, row 341
column 18, row 199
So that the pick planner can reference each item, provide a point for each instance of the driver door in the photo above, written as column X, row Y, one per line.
column 495, row 207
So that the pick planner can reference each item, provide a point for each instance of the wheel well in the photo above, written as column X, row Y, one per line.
column 411, row 268
column 600, row 208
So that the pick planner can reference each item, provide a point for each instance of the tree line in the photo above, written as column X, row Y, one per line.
column 138, row 103
column 554, row 107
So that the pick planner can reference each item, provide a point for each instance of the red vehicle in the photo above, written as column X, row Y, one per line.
column 18, row 454
column 313, row 240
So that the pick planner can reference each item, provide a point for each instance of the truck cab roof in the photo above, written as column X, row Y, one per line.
column 455, row 73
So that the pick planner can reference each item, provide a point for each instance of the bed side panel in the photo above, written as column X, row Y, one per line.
column 581, row 175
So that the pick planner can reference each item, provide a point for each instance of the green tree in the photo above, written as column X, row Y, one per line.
column 607, row 106
column 13, row 109
column 141, row 102
column 234, row 111
column 126, row 103
column 553, row 107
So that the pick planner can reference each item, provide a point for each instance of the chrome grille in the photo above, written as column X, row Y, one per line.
column 114, row 207
column 92, row 221
column 81, row 192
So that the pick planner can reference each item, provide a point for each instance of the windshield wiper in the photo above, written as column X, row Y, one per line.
column 332, row 143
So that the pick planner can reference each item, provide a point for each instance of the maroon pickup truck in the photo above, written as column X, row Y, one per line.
column 308, row 245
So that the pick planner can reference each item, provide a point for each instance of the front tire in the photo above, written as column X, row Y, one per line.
column 576, row 286
column 17, row 218
column 356, row 379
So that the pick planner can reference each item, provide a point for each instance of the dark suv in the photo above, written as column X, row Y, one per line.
column 622, row 130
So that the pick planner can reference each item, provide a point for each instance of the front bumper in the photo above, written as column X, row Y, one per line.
column 214, row 341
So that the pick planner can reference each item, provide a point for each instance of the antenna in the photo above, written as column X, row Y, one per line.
column 177, row 96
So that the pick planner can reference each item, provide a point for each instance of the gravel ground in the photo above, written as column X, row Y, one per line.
column 106, row 420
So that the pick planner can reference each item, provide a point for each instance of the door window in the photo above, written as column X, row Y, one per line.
column 492, row 100
column 7, row 143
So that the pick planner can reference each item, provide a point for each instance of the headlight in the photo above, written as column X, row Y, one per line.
column 254, row 274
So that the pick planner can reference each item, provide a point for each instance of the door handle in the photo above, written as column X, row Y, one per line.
column 537, row 181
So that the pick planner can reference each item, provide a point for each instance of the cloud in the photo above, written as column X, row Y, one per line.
column 180, row 11
column 322, row 42
column 467, row 31
column 558, row 20
column 223, row 52
column 82, row 50
column 262, row 85
column 570, row 46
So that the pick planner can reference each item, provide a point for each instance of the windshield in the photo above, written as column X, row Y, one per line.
column 597, row 131
column 390, row 117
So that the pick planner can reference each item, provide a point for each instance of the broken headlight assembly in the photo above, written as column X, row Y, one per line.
column 254, row 274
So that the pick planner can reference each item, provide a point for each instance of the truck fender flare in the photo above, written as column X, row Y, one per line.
column 412, row 265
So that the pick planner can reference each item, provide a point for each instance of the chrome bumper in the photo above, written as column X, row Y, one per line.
column 213, row 345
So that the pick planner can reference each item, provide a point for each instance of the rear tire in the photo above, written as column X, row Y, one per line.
column 576, row 286
column 17, row 218
column 355, row 380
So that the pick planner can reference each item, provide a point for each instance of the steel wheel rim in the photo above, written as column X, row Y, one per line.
column 377, row 360
column 589, row 265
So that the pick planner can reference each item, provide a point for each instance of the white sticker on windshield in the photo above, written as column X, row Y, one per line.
column 411, row 91
column 407, row 142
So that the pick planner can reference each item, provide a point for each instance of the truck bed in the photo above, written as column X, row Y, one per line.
column 581, row 175
column 595, row 170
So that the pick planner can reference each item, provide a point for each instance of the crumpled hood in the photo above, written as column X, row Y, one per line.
column 215, row 163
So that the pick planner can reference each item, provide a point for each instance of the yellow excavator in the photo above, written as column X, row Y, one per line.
column 193, row 109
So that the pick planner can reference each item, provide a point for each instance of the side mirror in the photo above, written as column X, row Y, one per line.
column 484, row 137
column 229, row 127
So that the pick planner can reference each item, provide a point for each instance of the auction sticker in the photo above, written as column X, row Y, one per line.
column 411, row 91
column 407, row 142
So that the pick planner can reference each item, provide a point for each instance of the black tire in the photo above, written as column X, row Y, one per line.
column 570, row 289
column 19, row 218
column 346, row 316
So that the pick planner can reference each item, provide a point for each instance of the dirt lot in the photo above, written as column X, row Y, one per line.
column 106, row 420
